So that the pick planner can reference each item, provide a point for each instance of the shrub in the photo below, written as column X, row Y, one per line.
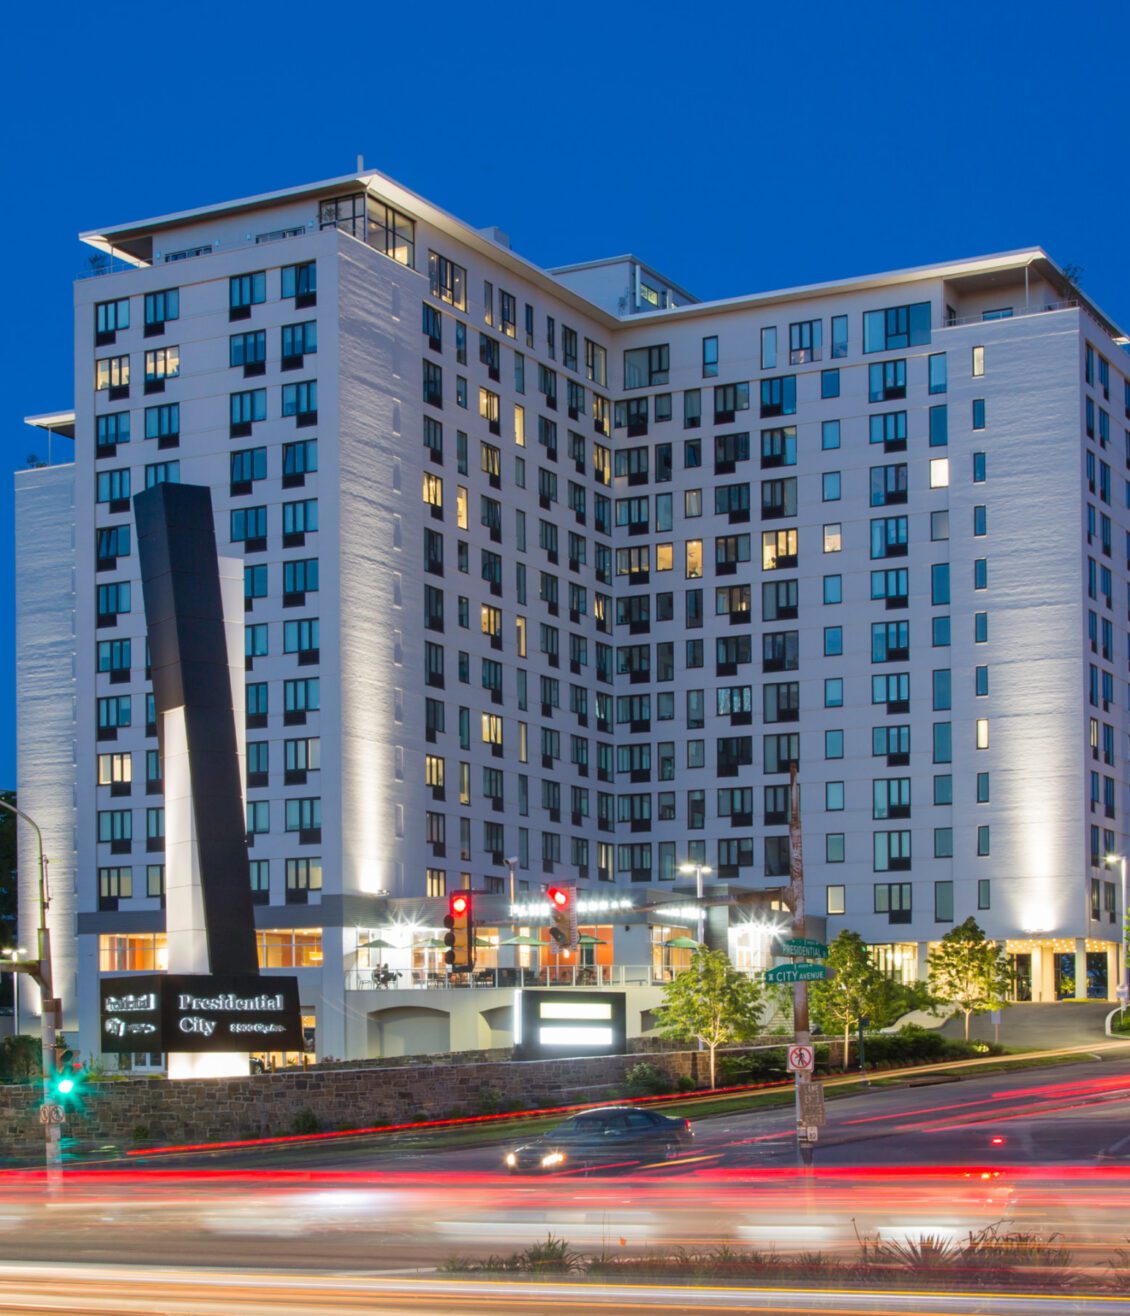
column 21, row 1058
column 306, row 1122
column 644, row 1080
column 490, row 1101
column 140, row 1133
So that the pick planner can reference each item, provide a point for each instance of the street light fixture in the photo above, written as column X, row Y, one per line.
column 698, row 870
column 1123, row 984
column 13, row 953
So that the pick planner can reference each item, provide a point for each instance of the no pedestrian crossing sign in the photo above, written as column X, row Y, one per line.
column 801, row 1058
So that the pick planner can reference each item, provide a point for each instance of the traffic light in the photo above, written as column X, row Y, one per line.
column 460, row 935
column 66, row 1080
column 563, row 915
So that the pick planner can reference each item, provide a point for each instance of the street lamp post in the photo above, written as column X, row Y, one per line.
column 14, row 953
column 698, row 870
column 41, row 971
column 1124, row 983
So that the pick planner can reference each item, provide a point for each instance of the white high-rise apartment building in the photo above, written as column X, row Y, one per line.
column 566, row 567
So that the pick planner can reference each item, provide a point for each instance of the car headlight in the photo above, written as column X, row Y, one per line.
column 511, row 1159
column 551, row 1159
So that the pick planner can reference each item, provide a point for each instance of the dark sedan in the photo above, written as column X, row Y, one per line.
column 612, row 1137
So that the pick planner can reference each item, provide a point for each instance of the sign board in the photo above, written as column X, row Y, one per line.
column 810, row 1099
column 799, row 973
column 549, row 1024
column 802, row 1058
column 200, row 1012
column 52, row 1113
column 802, row 946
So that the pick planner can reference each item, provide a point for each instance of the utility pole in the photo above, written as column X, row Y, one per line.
column 802, row 1035
column 40, row 971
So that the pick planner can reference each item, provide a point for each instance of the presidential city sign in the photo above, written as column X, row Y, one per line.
column 799, row 973
column 815, row 950
column 200, row 1012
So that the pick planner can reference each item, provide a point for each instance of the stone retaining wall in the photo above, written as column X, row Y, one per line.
column 152, row 1110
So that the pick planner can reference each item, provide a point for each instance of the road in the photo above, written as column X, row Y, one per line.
column 165, row 1292
column 364, row 1205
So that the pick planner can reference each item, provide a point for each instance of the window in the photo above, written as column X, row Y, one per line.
column 778, row 396
column 301, row 401
column 163, row 423
column 109, row 317
column 982, row 733
column 710, row 357
column 939, row 473
column 833, row 538
column 596, row 362
column 943, row 902
column 834, row 895
column 112, row 429
column 891, row 851
column 162, row 473
column 978, row 413
column 299, row 340
column 830, row 383
column 830, row 434
column 159, row 308
column 300, row 282
column 937, row 372
column 246, row 408
column 805, row 343
column 978, row 361
column 896, row 327
column 778, row 549
column 246, row 466
column 886, row 381
column 447, row 281
column 645, row 366
column 245, row 291
column 889, row 537
column 833, row 589
column 112, row 373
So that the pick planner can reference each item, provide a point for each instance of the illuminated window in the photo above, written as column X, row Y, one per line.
column 492, row 729
column 982, row 733
column 129, row 952
column 978, row 361
column 833, row 540
column 289, row 948
column 433, row 490
column 939, row 472
column 693, row 558
column 519, row 425
column 433, row 770
column 664, row 557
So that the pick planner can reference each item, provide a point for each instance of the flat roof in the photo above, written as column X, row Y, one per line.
column 133, row 242
column 56, row 422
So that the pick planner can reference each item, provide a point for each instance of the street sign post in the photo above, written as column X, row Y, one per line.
column 799, row 973
column 801, row 1058
column 810, row 1111
column 52, row 1113
column 815, row 950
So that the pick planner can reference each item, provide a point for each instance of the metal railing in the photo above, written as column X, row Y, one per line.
column 571, row 975
column 1017, row 311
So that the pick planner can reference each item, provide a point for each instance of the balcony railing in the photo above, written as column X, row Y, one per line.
column 566, row 975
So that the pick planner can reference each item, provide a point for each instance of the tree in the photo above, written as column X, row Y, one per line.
column 711, row 1003
column 969, row 971
column 858, row 990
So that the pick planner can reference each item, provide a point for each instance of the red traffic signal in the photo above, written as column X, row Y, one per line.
column 460, row 935
column 563, row 915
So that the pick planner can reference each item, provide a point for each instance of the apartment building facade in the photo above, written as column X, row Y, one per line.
column 551, row 575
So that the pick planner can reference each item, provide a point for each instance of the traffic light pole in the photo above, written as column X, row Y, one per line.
column 40, row 971
column 802, row 1034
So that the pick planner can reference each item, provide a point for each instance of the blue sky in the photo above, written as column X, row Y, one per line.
column 735, row 147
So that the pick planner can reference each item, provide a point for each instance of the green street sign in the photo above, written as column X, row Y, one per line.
column 803, row 946
column 799, row 973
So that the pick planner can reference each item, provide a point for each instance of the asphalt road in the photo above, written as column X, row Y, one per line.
column 1052, row 1117
column 163, row 1292
column 369, row 1208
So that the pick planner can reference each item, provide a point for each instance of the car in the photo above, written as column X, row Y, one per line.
column 610, row 1137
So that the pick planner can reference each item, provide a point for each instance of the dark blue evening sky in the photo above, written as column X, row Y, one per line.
column 734, row 146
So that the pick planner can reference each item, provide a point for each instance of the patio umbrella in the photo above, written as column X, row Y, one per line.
column 682, row 943
column 377, row 944
column 586, row 939
column 432, row 943
column 521, row 941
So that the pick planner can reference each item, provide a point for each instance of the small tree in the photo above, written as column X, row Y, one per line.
column 711, row 1002
column 970, row 972
column 858, row 990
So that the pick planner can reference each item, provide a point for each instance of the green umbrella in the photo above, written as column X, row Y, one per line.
column 521, row 941
column 481, row 944
column 586, row 939
column 682, row 943
column 377, row 944
column 432, row 943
